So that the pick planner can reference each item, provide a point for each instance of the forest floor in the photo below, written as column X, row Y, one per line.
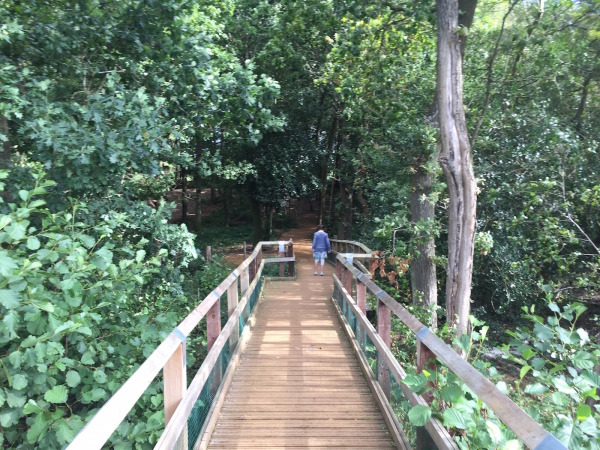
column 301, row 235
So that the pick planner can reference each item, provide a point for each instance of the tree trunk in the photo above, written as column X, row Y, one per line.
column 198, row 187
column 269, row 217
column 345, row 217
column 257, row 228
column 582, row 101
column 227, row 198
column 423, row 275
column 456, row 162
column 184, row 200
column 5, row 150
column 324, row 168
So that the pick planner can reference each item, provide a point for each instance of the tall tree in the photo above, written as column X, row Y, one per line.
column 457, row 165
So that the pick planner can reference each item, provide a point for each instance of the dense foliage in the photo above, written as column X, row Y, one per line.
column 108, row 108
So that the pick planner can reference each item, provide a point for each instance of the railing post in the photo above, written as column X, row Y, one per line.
column 252, row 268
column 361, row 296
column 232, row 302
column 384, row 329
column 245, row 280
column 425, row 361
column 213, row 324
column 175, row 384
column 338, row 269
column 174, row 387
column 347, row 280
column 281, row 255
column 291, row 268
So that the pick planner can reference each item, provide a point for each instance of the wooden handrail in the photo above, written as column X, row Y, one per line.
column 440, row 435
column 524, row 427
column 99, row 429
column 177, row 424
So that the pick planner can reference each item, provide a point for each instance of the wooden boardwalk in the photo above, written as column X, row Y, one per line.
column 298, row 383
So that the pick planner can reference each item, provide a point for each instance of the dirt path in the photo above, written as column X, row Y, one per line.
column 301, row 235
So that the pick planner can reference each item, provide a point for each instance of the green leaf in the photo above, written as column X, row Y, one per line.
column 19, row 381
column 67, row 429
column 73, row 378
column 15, row 399
column 58, row 394
column 513, row 444
column 494, row 432
column 536, row 389
column 584, row 360
column 528, row 353
column 524, row 371
column 100, row 376
column 9, row 417
column 24, row 195
column 139, row 255
column 419, row 415
column 87, row 359
column 583, row 412
column 33, row 243
column 31, row 407
column 7, row 264
column 454, row 418
column 9, row 298
column 452, row 393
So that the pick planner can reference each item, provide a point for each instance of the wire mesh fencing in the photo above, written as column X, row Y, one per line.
column 210, row 391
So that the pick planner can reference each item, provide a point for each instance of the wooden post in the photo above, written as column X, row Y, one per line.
column 281, row 265
column 232, row 297
column 361, row 296
column 175, row 385
column 213, row 324
column 425, row 360
column 252, row 268
column 245, row 281
column 208, row 254
column 290, row 251
column 232, row 302
column 245, row 251
column 347, row 280
column 384, row 329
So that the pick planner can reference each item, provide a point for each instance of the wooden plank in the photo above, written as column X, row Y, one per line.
column 434, row 427
column 295, row 377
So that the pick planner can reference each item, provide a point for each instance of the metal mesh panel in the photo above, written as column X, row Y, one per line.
column 401, row 406
column 202, row 406
column 370, row 354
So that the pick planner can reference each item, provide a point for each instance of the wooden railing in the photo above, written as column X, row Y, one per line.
column 354, row 284
column 170, row 356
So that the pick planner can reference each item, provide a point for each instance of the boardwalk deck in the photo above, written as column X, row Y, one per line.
column 298, row 383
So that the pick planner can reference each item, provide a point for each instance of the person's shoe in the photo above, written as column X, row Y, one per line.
column 315, row 272
column 322, row 273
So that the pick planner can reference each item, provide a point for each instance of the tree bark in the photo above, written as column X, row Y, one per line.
column 5, row 151
column 423, row 274
column 324, row 168
column 456, row 162
column 257, row 228
column 198, row 187
column 184, row 200
column 582, row 101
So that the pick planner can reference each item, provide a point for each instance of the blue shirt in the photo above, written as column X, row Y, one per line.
column 321, row 242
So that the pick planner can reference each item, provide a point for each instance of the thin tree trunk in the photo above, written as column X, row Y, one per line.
column 324, row 168
column 184, row 200
column 578, row 120
column 227, row 194
column 423, row 274
column 5, row 151
column 456, row 162
column 198, row 186
column 257, row 228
